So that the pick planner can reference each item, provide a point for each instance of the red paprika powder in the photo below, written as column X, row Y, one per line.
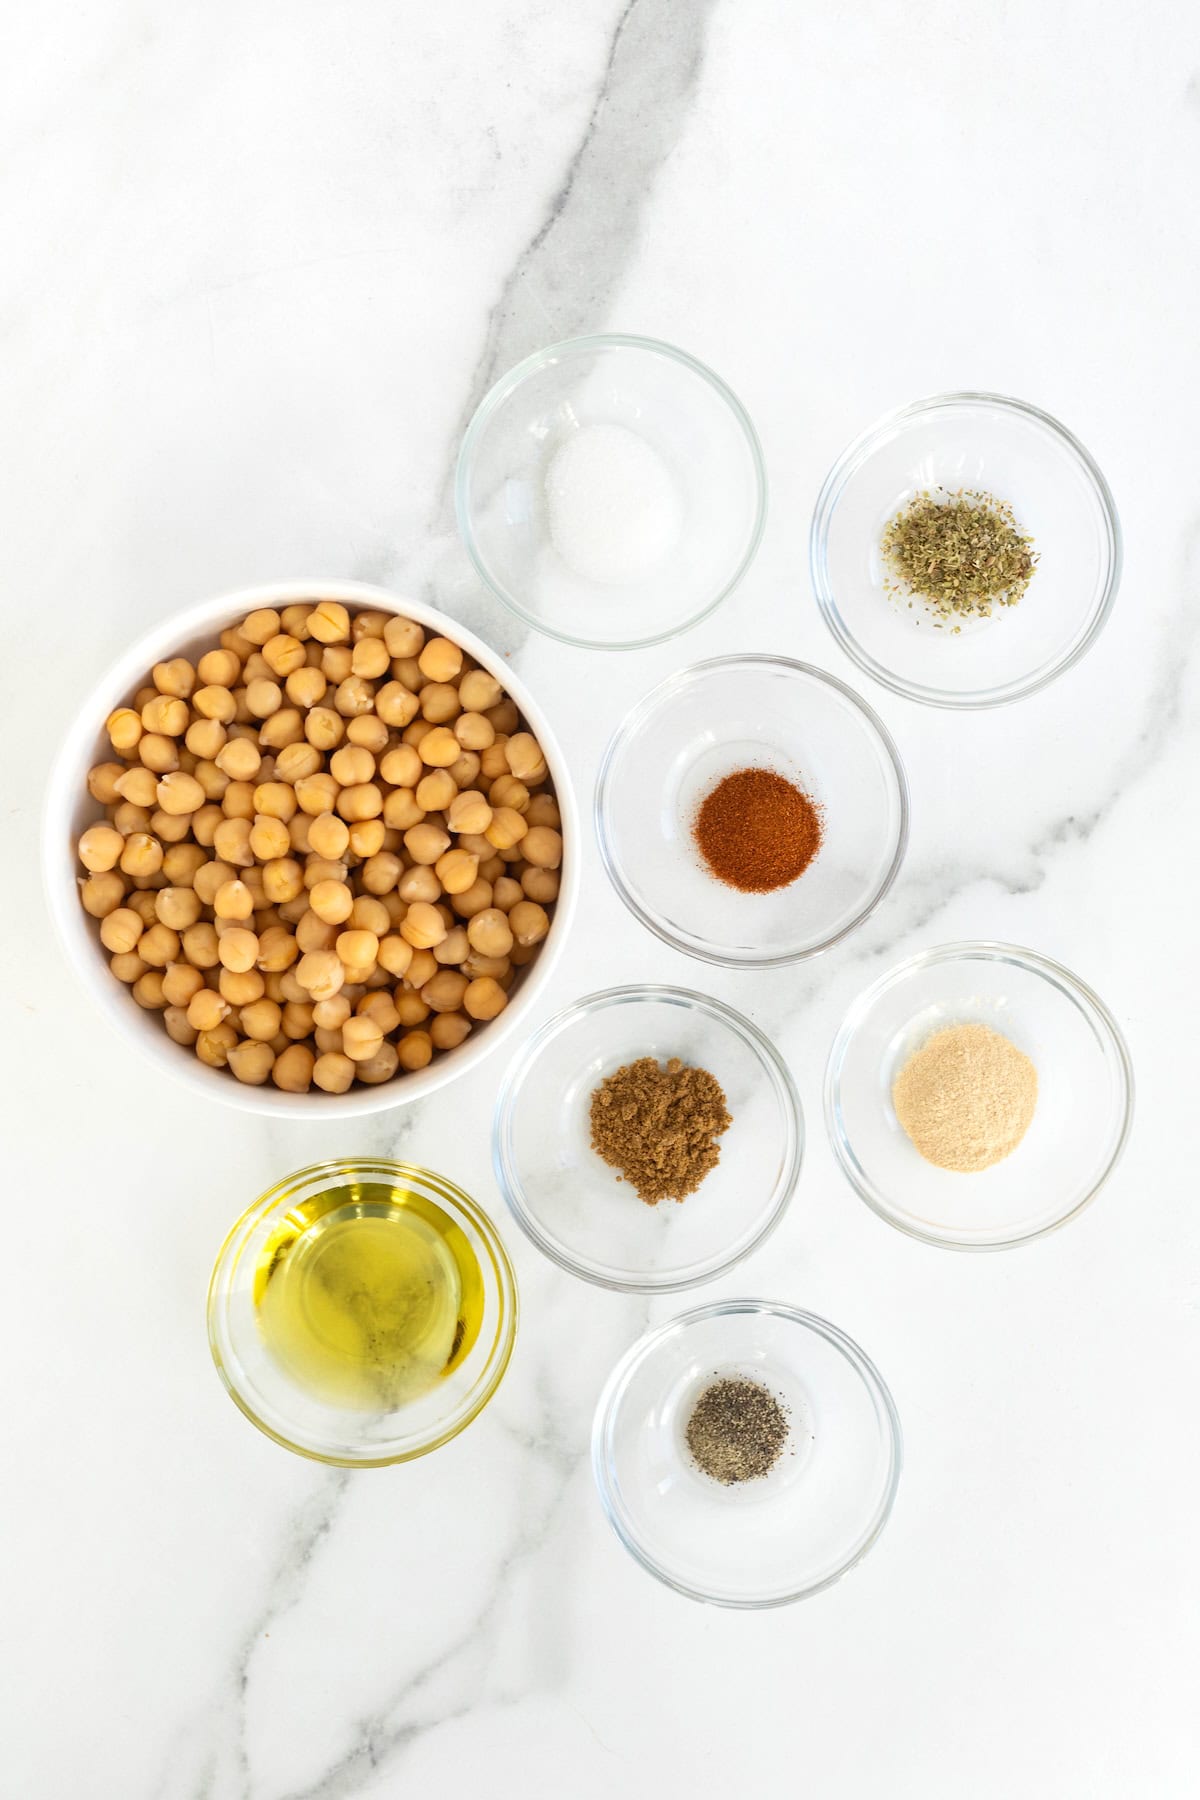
column 757, row 831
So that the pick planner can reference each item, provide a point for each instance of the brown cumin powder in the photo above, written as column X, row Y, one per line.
column 658, row 1126
column 757, row 831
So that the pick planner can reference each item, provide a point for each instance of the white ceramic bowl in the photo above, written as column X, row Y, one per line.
column 69, row 808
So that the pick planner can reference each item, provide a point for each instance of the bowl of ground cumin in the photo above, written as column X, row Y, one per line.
column 752, row 811
column 978, row 1095
column 647, row 1138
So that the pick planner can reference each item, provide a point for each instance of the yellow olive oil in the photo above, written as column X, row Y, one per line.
column 368, row 1295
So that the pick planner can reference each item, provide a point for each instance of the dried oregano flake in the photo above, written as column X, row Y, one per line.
column 962, row 553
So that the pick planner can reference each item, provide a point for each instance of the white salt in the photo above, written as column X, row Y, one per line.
column 615, row 512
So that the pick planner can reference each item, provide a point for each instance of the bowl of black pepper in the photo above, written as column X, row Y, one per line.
column 965, row 550
column 746, row 1453
column 647, row 1138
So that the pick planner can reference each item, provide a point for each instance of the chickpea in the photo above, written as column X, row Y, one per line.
column 148, row 991
column 282, row 730
column 124, row 728
column 320, row 973
column 331, row 1015
column 422, row 968
column 293, row 1069
column 395, row 954
column 380, row 1067
column 439, row 747
column 419, row 883
column 314, row 934
column 328, row 835
column 336, row 661
column 464, row 770
column 231, row 841
column 233, row 900
column 506, row 790
column 100, row 848
column 120, row 930
column 396, row 705
column 200, row 945
column 505, row 892
column 127, row 966
column 470, row 812
column 414, row 733
column 178, row 793
column 102, row 781
column 158, row 754
column 504, row 716
column 139, row 786
column 489, row 933
column 474, row 900
column 444, row 992
column 400, row 810
column 380, row 873
column 529, row 923
column 440, row 660
column 296, row 1021
column 370, row 914
column 351, row 765
column 165, row 716
column 426, row 842
column 264, row 697
column 305, row 687
column 478, row 690
column 239, row 758
column 415, row 1050
column 176, row 677
column 367, row 836
column 237, row 949
column 435, row 791
column 241, row 987
column 353, row 696
column 170, row 829
column 295, row 619
column 261, row 625
column 542, row 847
column 448, row 1030
column 142, row 854
column 177, row 908
column 269, row 838
column 329, row 622
column 206, row 1010
column 525, row 758
column 284, row 653
column 332, row 901
column 219, row 668
column 334, row 1073
column 293, row 764
column 368, row 732
column 357, row 949
column 370, row 658
column 493, row 762
column 457, row 870
column 204, row 737
column 484, row 998
column 213, row 1047
column 317, row 794
column 440, row 702
column 361, row 1037
column 498, row 967
column 215, row 703
column 424, row 926
column 507, row 829
column 380, row 1007
column 277, row 949
column 178, row 1029
column 473, row 731
column 181, row 984
column 410, row 1006
column 403, row 637
column 251, row 1061
column 363, row 801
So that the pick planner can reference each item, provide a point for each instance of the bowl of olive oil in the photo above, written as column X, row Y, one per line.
column 362, row 1312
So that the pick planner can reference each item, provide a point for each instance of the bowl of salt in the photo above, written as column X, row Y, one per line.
column 611, row 491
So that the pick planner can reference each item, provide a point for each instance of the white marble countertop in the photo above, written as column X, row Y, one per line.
column 261, row 263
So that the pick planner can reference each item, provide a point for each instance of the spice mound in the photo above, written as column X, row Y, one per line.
column 737, row 1431
column 962, row 553
column 757, row 831
column 657, row 1126
column 966, row 1098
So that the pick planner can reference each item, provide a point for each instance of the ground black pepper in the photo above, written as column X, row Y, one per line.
column 737, row 1430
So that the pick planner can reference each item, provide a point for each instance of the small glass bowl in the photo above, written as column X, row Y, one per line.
column 1084, row 1106
column 698, row 727
column 1059, row 496
column 577, row 1210
column 776, row 1539
column 691, row 421
column 286, row 1411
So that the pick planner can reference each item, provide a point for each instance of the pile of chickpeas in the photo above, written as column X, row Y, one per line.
column 328, row 847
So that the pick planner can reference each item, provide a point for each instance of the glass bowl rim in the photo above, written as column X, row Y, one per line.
column 857, row 453
column 614, row 1388
column 502, row 390
column 982, row 950
column 445, row 1190
column 770, row 1062
column 637, row 715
